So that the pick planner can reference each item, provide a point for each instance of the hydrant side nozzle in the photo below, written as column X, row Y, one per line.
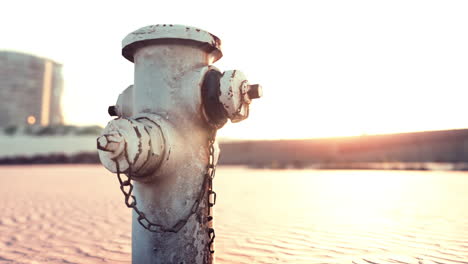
column 132, row 144
column 227, row 96
column 236, row 94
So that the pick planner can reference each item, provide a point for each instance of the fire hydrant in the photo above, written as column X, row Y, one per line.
column 162, row 145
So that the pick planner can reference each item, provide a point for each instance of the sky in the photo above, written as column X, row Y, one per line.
column 328, row 68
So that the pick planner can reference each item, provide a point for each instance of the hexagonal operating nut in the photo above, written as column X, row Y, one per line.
column 112, row 143
column 255, row 91
column 236, row 94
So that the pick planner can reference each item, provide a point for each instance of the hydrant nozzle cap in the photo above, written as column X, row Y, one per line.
column 169, row 33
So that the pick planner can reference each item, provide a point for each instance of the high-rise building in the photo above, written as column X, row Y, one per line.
column 30, row 90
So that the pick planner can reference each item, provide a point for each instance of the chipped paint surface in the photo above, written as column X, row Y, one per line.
column 155, row 33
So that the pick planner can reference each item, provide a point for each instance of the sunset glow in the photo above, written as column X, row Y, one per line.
column 327, row 68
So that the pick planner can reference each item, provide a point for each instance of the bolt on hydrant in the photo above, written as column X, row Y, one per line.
column 162, row 145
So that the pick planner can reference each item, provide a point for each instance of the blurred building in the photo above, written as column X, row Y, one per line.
column 30, row 90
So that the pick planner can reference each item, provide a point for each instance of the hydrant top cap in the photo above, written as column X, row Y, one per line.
column 169, row 33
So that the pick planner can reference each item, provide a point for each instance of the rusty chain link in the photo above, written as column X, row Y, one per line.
column 131, row 202
column 210, row 174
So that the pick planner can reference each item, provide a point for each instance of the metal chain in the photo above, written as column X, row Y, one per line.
column 210, row 174
column 131, row 202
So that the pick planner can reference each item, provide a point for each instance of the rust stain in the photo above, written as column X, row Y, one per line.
column 139, row 145
column 150, row 151
column 159, row 127
column 126, row 157
column 149, row 141
column 216, row 41
column 137, row 132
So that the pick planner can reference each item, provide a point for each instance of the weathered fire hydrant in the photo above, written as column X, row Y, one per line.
column 162, row 143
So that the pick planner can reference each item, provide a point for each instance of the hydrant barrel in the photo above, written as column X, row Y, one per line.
column 170, row 65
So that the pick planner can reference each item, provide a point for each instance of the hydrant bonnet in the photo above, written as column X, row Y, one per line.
column 169, row 33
